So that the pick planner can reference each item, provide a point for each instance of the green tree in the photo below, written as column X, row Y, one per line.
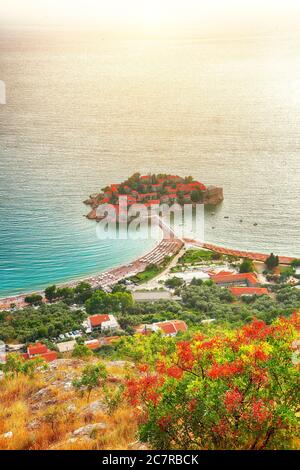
column 81, row 351
column 196, row 196
column 51, row 293
column 66, row 294
column 246, row 266
column 15, row 365
column 34, row 299
column 83, row 292
column 90, row 378
column 174, row 282
column 272, row 262
column 97, row 303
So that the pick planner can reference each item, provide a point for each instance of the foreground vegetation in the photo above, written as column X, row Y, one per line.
column 49, row 410
column 229, row 390
column 212, row 389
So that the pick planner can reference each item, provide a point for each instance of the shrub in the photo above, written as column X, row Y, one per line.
column 231, row 391
column 81, row 351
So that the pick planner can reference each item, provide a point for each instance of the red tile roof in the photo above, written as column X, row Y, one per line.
column 152, row 203
column 167, row 327
column 148, row 194
column 97, row 320
column 37, row 348
column 172, row 327
column 180, row 325
column 249, row 277
column 94, row 344
column 198, row 185
column 40, row 350
column 239, row 291
column 49, row 356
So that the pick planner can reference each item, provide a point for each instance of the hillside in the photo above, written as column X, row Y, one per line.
column 46, row 412
column 213, row 389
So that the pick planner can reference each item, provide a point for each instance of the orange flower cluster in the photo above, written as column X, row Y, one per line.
column 225, row 370
column 237, row 389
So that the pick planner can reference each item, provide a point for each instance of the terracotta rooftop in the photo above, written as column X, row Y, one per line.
column 235, row 277
column 172, row 327
column 97, row 320
column 239, row 291
column 37, row 348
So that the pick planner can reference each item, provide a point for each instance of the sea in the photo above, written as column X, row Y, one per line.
column 85, row 110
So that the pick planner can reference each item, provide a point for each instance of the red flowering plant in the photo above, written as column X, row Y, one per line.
column 236, row 390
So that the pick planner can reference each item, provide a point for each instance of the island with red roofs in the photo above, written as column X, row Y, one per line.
column 151, row 190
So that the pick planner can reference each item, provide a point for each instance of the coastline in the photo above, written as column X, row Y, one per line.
column 168, row 245
column 254, row 256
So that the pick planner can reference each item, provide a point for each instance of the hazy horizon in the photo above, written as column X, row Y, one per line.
column 176, row 18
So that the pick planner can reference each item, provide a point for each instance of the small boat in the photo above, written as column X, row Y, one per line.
column 256, row 224
column 241, row 220
column 226, row 217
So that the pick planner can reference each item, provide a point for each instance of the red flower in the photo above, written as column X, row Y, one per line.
column 175, row 372
column 221, row 428
column 185, row 354
column 192, row 404
column 164, row 422
column 161, row 367
column 256, row 330
column 153, row 397
column 260, row 355
column 233, row 398
column 259, row 377
column 225, row 370
column 199, row 337
column 143, row 367
column 260, row 411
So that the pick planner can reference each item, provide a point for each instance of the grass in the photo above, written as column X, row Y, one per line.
column 151, row 272
column 47, row 420
column 196, row 256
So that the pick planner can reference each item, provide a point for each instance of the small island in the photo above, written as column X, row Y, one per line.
column 152, row 190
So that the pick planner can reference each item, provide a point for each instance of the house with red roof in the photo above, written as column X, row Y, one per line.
column 166, row 328
column 40, row 350
column 156, row 187
column 146, row 178
column 197, row 185
column 248, row 291
column 170, row 328
column 235, row 280
column 101, row 322
column 93, row 344
column 152, row 203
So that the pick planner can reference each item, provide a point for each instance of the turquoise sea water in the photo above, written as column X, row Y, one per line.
column 83, row 112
